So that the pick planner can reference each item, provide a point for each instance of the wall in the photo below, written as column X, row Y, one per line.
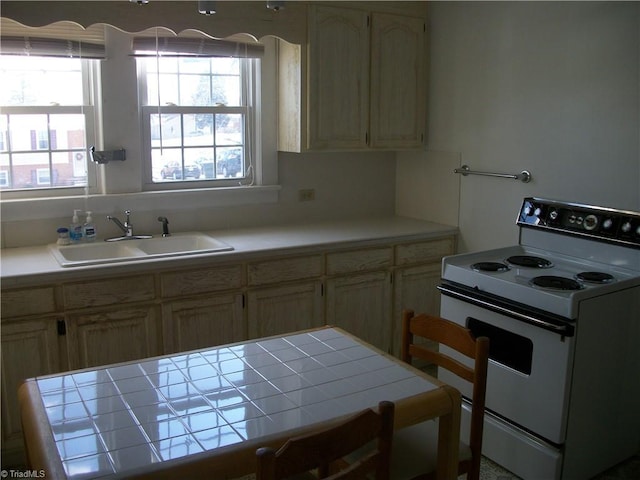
column 550, row 87
column 347, row 185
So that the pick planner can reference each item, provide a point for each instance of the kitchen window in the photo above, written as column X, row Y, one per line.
column 46, row 124
column 197, row 106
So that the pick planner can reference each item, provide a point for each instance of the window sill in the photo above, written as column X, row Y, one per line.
column 39, row 208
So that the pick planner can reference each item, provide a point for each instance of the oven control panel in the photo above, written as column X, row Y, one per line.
column 605, row 224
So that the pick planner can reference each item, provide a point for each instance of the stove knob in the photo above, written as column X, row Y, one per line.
column 607, row 224
column 553, row 215
column 572, row 219
column 626, row 227
column 590, row 222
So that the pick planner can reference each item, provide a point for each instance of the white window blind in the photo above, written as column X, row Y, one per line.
column 199, row 47
column 61, row 39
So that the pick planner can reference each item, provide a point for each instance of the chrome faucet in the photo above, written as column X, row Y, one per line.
column 165, row 226
column 126, row 227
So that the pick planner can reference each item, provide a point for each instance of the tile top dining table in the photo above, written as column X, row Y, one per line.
column 203, row 413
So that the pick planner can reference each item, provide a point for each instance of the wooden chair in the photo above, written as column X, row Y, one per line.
column 322, row 448
column 415, row 447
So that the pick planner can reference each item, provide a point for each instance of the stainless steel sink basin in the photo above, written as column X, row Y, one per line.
column 179, row 244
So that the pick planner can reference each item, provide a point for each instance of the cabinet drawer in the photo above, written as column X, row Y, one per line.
column 212, row 279
column 28, row 301
column 285, row 270
column 359, row 261
column 431, row 251
column 113, row 291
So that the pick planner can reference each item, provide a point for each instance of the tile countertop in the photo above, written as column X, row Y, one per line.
column 36, row 265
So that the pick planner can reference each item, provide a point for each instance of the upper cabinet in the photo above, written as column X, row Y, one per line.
column 359, row 84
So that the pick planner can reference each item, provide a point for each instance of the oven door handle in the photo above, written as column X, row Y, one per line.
column 566, row 330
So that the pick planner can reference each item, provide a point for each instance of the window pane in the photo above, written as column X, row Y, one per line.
column 25, row 167
column 40, row 81
column 69, row 168
column 5, row 172
column 4, row 128
column 229, row 162
column 166, row 164
column 229, row 129
column 67, row 131
column 169, row 134
column 194, row 135
column 28, row 132
column 195, row 90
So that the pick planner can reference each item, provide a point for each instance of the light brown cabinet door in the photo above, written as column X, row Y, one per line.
column 112, row 336
column 29, row 349
column 338, row 78
column 415, row 288
column 283, row 309
column 205, row 322
column 361, row 304
column 398, row 81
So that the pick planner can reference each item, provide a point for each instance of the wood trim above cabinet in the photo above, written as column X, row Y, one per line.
column 284, row 270
column 208, row 279
column 33, row 301
column 359, row 260
column 111, row 291
column 427, row 251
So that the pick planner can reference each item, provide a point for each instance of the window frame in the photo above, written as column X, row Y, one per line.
column 90, row 110
column 250, row 69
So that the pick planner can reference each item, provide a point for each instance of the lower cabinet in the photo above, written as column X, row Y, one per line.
column 415, row 288
column 361, row 305
column 112, row 336
column 203, row 322
column 277, row 310
column 29, row 349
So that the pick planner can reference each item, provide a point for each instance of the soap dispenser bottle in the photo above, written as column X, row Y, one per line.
column 75, row 229
column 89, row 229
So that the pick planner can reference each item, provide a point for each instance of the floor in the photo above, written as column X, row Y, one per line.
column 628, row 470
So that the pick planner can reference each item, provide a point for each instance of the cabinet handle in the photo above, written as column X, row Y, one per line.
column 62, row 327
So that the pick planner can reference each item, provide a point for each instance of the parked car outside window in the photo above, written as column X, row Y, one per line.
column 174, row 171
column 228, row 164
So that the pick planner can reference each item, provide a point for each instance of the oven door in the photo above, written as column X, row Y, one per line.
column 529, row 373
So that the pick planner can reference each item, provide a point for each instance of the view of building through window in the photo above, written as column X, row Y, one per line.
column 43, row 137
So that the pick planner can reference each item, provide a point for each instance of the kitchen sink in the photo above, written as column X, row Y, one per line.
column 178, row 244
column 181, row 244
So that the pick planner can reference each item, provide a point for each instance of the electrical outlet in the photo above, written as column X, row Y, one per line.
column 306, row 195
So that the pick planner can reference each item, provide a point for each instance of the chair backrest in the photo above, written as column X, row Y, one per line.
column 461, row 339
column 322, row 448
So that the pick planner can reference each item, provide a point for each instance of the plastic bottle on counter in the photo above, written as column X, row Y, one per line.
column 63, row 236
column 89, row 229
column 75, row 229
